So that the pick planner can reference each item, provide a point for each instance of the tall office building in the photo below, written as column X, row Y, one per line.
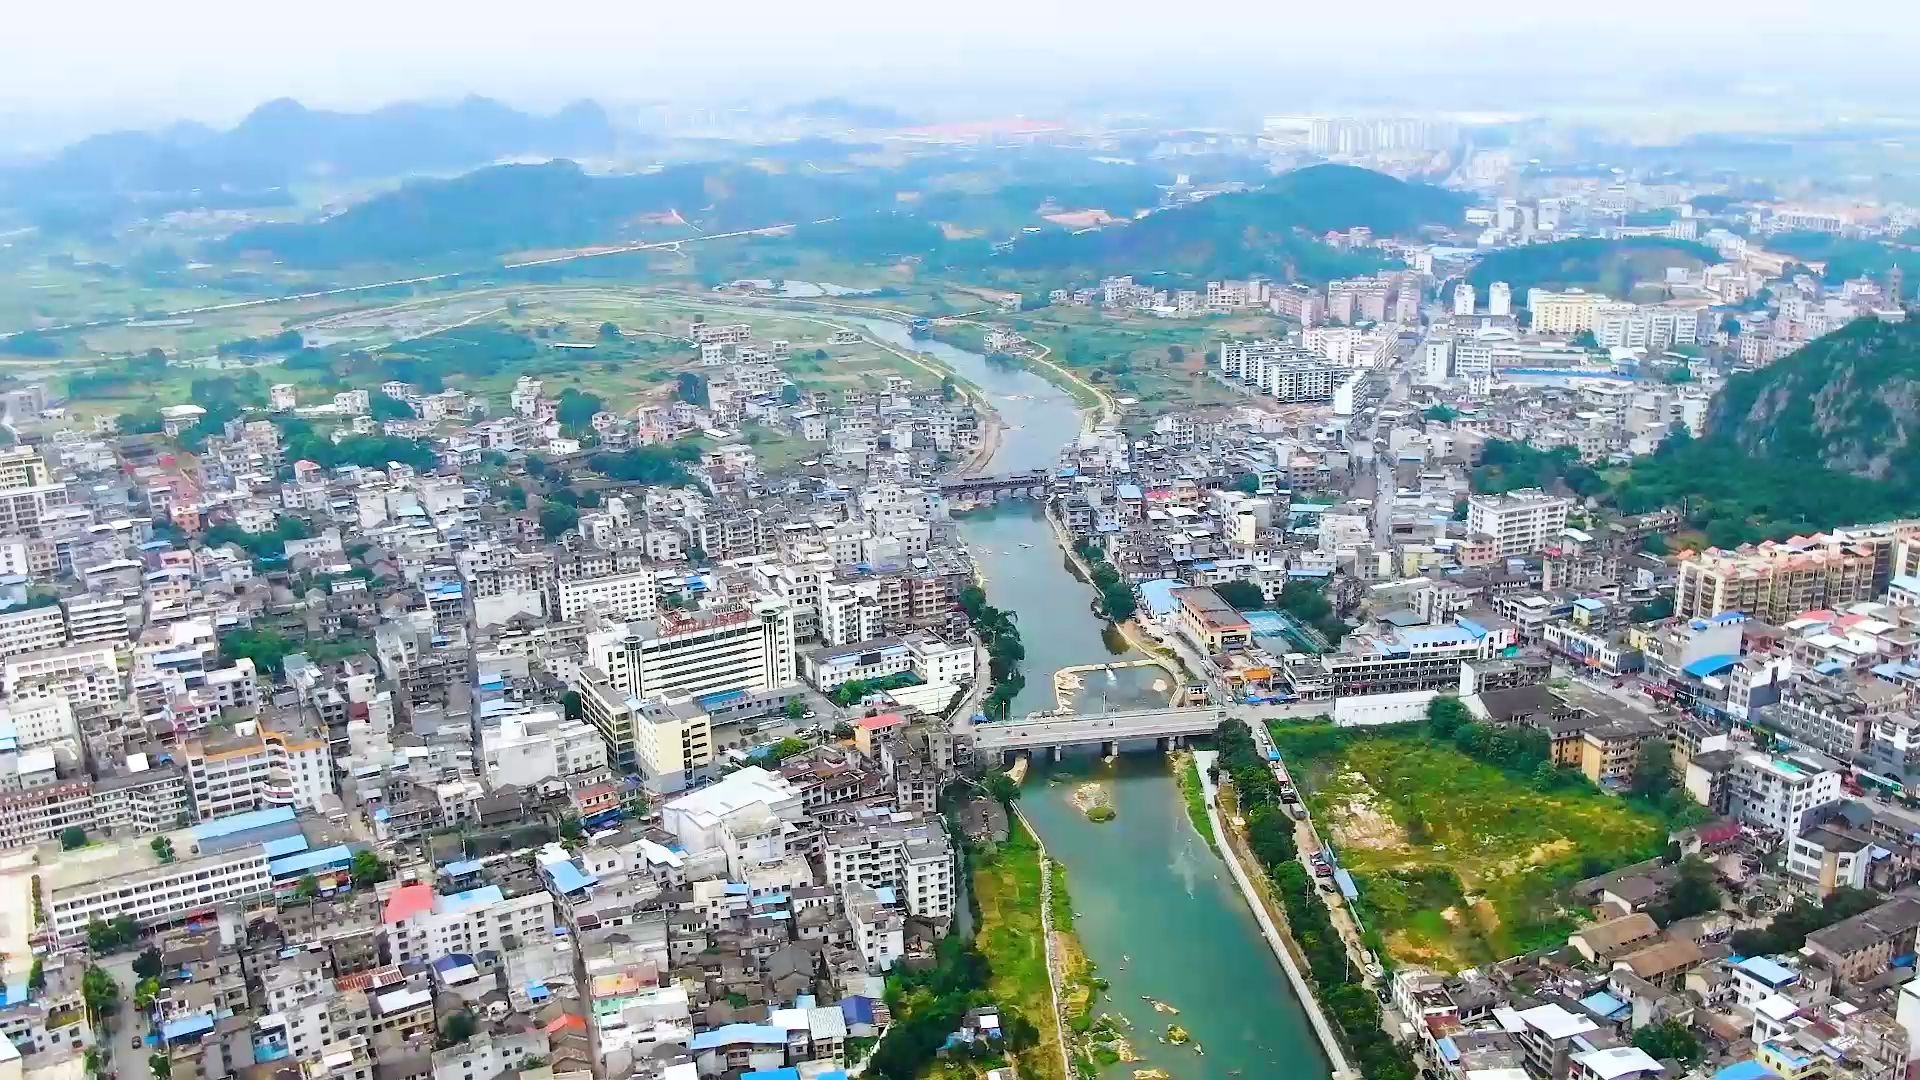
column 1463, row 299
column 1499, row 299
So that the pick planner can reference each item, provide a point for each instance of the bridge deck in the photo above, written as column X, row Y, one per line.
column 1046, row 731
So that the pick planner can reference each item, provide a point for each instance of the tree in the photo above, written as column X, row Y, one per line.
column 366, row 869
column 1445, row 715
column 37, row 976
column 1176, row 354
column 691, row 387
column 1441, row 414
column 557, row 518
column 161, row 1066
column 948, row 388
column 144, row 992
column 1247, row 484
column 73, row 836
column 1244, row 595
column 100, row 993
column 1693, row 893
column 458, row 1028
column 796, row 708
column 96, row 1061
column 998, row 784
column 1585, row 340
column 1669, row 1040
column 307, row 888
column 1653, row 768
column 609, row 332
column 162, row 849
column 147, row 964
column 1654, row 544
column 571, row 830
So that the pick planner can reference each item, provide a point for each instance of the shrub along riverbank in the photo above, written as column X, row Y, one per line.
column 1004, row 650
column 1270, row 834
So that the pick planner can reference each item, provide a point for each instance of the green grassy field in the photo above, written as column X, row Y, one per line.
column 1161, row 363
column 1007, row 885
column 1457, row 862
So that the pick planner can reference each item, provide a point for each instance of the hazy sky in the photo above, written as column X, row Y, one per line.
column 134, row 62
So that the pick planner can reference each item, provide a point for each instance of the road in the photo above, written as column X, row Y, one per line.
column 126, row 1062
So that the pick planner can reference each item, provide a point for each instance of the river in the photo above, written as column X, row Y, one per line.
column 1156, row 910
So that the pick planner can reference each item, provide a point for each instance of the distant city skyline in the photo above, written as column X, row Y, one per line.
column 71, row 68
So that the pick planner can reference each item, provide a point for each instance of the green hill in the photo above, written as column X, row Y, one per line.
column 1272, row 230
column 1613, row 267
column 1850, row 401
column 557, row 204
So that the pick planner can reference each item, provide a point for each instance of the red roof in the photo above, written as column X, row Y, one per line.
column 566, row 1022
column 408, row 901
column 884, row 720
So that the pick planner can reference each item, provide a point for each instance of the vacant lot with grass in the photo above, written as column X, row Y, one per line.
column 1457, row 862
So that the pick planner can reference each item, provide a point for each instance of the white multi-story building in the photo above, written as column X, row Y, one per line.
column 33, row 629
column 1518, row 522
column 1463, row 299
column 740, row 648
column 744, row 818
column 103, row 881
column 849, row 612
column 912, row 857
column 97, row 618
column 929, row 659
column 256, row 768
column 524, row 749
column 422, row 926
column 53, row 665
column 620, row 596
column 1436, row 360
column 1779, row 792
column 1499, row 299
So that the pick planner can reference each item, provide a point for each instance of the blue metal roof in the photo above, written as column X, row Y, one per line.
column 1768, row 971
column 286, row 845
column 569, row 878
column 238, row 823
column 467, row 901
column 1602, row 1004
column 197, row 1024
column 720, row 697
column 462, row 868
column 339, row 855
column 758, row 1034
column 1711, row 665
column 1746, row 1070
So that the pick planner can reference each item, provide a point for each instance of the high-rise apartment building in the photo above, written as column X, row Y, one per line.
column 1776, row 581
column 1463, row 299
column 1499, row 299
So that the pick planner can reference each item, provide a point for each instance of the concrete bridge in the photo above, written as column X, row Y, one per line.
column 965, row 491
column 1164, row 728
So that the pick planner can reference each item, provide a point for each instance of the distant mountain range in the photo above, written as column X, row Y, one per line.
column 283, row 142
column 1273, row 230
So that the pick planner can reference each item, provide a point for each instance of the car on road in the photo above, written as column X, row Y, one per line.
column 1381, row 993
column 136, row 1042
